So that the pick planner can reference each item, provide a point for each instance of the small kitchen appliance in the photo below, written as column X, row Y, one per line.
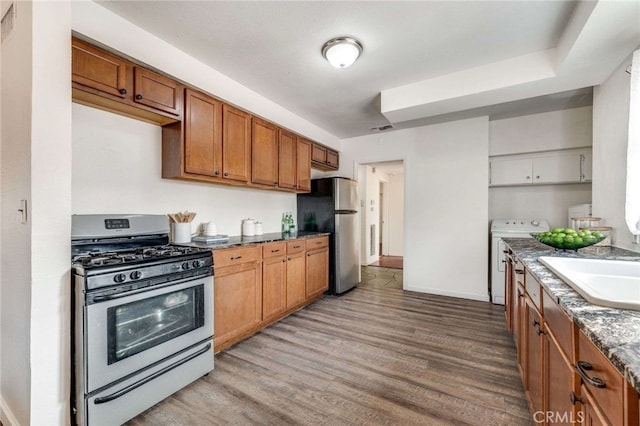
column 507, row 228
column 142, row 315
column 333, row 203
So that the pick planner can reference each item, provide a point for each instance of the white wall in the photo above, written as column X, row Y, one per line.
column 554, row 130
column 117, row 169
column 610, row 135
column 16, row 237
column 446, row 174
column 569, row 128
column 395, row 221
column 550, row 202
column 36, row 166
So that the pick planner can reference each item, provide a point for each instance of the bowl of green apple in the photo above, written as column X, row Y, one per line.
column 568, row 238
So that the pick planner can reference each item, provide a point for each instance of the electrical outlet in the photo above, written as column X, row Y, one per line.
column 23, row 211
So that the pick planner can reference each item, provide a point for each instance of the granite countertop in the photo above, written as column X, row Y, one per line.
column 236, row 241
column 616, row 332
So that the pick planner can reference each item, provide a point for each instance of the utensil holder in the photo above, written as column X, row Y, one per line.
column 181, row 233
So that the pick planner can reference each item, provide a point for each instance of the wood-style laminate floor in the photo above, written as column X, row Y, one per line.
column 394, row 262
column 374, row 356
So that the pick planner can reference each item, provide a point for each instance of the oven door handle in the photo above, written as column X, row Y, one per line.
column 134, row 386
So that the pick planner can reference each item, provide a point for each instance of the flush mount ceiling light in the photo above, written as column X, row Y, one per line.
column 342, row 52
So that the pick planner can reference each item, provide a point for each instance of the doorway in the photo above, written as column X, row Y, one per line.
column 383, row 214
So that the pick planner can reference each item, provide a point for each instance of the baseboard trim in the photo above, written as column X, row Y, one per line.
column 440, row 292
column 6, row 415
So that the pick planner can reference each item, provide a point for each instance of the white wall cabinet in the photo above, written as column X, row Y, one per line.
column 553, row 167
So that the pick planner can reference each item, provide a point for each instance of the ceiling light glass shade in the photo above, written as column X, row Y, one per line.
column 342, row 52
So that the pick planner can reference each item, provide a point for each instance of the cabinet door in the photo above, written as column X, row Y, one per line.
column 510, row 171
column 236, row 144
column 97, row 69
column 317, row 272
column 319, row 154
column 296, row 277
column 333, row 159
column 287, row 154
column 601, row 378
column 303, row 165
column 534, row 357
column 264, row 152
column 203, row 134
column 509, row 298
column 559, row 380
column 591, row 415
column 586, row 170
column 237, row 301
column 274, row 291
column 557, row 168
column 156, row 91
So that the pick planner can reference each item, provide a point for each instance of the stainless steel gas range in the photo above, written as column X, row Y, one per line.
column 142, row 316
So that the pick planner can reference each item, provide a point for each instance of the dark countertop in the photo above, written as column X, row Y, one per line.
column 236, row 241
column 616, row 332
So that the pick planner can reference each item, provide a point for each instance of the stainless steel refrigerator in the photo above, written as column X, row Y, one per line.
column 332, row 206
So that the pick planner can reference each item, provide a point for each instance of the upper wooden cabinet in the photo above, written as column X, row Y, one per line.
column 236, row 144
column 99, row 70
column 287, row 159
column 156, row 91
column 106, row 81
column 264, row 152
column 203, row 134
column 324, row 158
column 303, row 165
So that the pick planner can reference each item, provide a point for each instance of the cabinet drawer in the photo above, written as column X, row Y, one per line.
column 559, row 323
column 533, row 289
column 295, row 246
column 317, row 242
column 276, row 249
column 236, row 255
column 610, row 398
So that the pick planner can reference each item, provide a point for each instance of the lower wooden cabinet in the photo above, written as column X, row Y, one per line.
column 567, row 379
column 237, row 299
column 317, row 266
column 533, row 356
column 257, row 285
column 274, row 275
column 296, row 273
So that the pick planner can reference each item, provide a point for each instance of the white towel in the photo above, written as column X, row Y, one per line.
column 632, row 208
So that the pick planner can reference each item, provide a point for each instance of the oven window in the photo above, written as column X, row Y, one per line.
column 145, row 323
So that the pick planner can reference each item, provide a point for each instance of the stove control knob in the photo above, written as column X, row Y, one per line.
column 535, row 223
column 185, row 265
column 198, row 263
column 119, row 278
column 135, row 275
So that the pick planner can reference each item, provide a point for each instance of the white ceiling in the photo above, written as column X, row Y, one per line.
column 423, row 61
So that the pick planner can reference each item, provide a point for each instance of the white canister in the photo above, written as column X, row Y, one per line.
column 248, row 227
column 259, row 230
column 210, row 229
column 181, row 233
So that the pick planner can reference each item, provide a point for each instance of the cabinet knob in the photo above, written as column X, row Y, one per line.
column 138, row 96
column 217, row 172
column 574, row 398
column 537, row 177
column 123, row 91
column 535, row 323
column 225, row 174
column 528, row 177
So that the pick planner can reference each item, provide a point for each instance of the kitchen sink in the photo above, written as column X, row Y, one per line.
column 612, row 283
